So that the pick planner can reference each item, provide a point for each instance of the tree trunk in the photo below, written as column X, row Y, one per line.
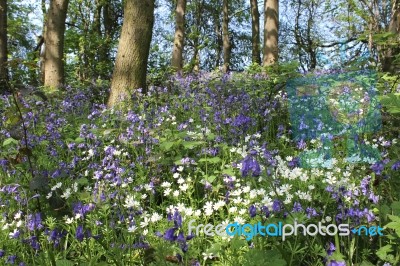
column 54, row 44
column 177, row 53
column 271, row 27
column 133, row 50
column 255, row 32
column 3, row 45
column 225, row 37
column 218, row 48
column 394, row 27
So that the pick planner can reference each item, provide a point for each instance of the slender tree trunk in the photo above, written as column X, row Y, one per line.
column 179, row 39
column 133, row 50
column 3, row 45
column 225, row 38
column 42, row 47
column 394, row 27
column 255, row 32
column 271, row 27
column 195, row 62
column 54, row 44
column 219, row 41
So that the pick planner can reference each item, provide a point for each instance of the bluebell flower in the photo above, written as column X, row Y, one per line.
column 266, row 211
column 79, row 233
column 250, row 164
column 170, row 234
column 336, row 263
column 297, row 207
column 396, row 166
column 378, row 167
column 11, row 259
column 330, row 249
column 276, row 206
column 252, row 211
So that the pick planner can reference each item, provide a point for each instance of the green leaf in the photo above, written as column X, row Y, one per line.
column 108, row 132
column 79, row 140
column 382, row 253
column 210, row 178
column 214, row 249
column 9, row 141
column 85, row 196
column 228, row 171
column 192, row 144
column 211, row 160
column 64, row 263
column 395, row 207
column 82, row 181
column 366, row 263
column 167, row 145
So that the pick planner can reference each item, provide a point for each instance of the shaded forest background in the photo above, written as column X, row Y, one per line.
column 76, row 42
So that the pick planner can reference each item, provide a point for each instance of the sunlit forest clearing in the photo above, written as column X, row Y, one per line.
column 201, row 132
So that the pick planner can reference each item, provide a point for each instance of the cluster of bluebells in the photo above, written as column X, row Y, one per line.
column 108, row 161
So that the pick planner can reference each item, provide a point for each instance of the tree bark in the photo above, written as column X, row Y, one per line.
column 218, row 34
column 179, row 39
column 255, row 32
column 3, row 45
column 133, row 50
column 54, row 44
column 394, row 27
column 271, row 27
column 225, row 38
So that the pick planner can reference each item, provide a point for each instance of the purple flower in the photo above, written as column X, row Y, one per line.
column 311, row 212
column 378, row 167
column 336, row 263
column 252, row 211
column 276, row 206
column 265, row 210
column 11, row 259
column 79, row 233
column 396, row 166
column 297, row 207
column 2, row 252
column 330, row 249
column 170, row 234
column 34, row 222
column 250, row 164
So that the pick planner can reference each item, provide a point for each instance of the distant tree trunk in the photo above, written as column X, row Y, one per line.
column 54, row 44
column 195, row 61
column 255, row 32
column 179, row 39
column 104, row 53
column 394, row 27
column 133, row 50
column 219, row 42
column 225, row 38
column 42, row 47
column 3, row 45
column 271, row 27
